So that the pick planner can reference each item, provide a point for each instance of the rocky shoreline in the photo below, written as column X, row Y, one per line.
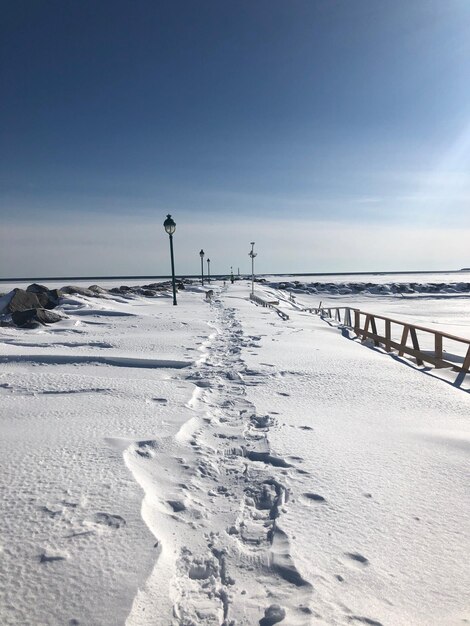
column 32, row 307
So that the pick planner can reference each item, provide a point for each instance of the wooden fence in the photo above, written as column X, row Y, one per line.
column 394, row 335
column 272, row 304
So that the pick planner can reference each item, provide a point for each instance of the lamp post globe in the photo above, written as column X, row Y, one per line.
column 170, row 226
column 201, row 254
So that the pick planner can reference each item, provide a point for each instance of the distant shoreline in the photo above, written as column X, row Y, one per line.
column 222, row 276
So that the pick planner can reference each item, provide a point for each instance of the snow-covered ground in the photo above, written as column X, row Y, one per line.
column 212, row 463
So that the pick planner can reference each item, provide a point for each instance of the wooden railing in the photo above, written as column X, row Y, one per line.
column 383, row 332
column 334, row 313
column 272, row 304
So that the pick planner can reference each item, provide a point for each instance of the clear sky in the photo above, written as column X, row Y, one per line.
column 333, row 133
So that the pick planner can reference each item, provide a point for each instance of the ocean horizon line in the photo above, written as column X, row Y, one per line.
column 227, row 275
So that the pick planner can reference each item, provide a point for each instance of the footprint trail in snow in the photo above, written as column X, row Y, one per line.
column 214, row 498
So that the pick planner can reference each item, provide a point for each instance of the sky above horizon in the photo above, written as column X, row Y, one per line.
column 334, row 134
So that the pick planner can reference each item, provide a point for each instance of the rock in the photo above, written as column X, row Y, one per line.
column 31, row 318
column 48, row 298
column 22, row 300
column 35, row 288
column 81, row 291
column 153, row 286
column 97, row 289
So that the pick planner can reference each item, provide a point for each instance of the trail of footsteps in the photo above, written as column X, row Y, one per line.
column 242, row 572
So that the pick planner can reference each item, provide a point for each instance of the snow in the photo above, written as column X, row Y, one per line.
column 212, row 463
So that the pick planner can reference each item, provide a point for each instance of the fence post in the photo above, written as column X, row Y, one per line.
column 374, row 330
column 466, row 362
column 357, row 321
column 404, row 337
column 414, row 341
column 388, row 335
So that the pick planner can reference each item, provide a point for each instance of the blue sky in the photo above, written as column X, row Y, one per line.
column 336, row 134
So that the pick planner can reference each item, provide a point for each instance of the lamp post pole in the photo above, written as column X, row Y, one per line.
column 170, row 227
column 252, row 254
column 208, row 271
column 201, row 254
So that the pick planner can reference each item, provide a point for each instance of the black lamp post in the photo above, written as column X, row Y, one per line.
column 170, row 227
column 208, row 271
column 252, row 254
column 201, row 254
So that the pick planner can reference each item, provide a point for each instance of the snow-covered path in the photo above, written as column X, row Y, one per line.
column 218, row 506
column 287, row 473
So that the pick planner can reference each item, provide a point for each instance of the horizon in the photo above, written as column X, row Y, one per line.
column 242, row 276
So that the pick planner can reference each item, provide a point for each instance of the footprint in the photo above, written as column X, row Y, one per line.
column 364, row 620
column 305, row 428
column 314, row 496
column 359, row 558
column 177, row 505
column 261, row 421
column 49, row 512
column 272, row 615
column 283, row 393
column 146, row 449
column 44, row 558
column 266, row 457
column 106, row 519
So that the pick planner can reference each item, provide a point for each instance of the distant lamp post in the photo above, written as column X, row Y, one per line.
column 252, row 254
column 208, row 271
column 231, row 275
column 170, row 227
column 201, row 254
